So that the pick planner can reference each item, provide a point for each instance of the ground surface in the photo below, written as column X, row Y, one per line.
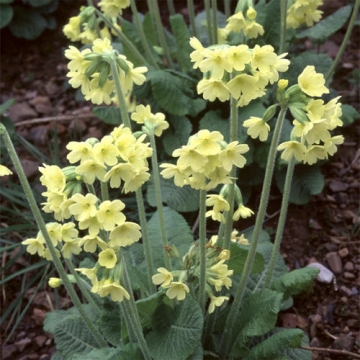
column 326, row 230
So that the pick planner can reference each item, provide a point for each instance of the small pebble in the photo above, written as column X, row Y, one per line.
column 349, row 266
column 325, row 275
column 315, row 342
column 345, row 290
column 315, row 319
column 343, row 252
column 334, row 262
column 349, row 275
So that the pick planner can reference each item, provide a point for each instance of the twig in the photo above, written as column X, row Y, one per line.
column 54, row 118
column 342, row 352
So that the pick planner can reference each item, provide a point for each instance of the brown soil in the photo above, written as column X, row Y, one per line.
column 326, row 230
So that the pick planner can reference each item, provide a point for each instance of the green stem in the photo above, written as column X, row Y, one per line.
column 124, row 39
column 208, row 21
column 42, row 227
column 145, row 44
column 104, row 191
column 227, row 8
column 345, row 41
column 214, row 20
column 202, row 246
column 190, row 6
column 283, row 11
column 171, row 7
column 159, row 203
column 161, row 32
column 281, row 222
column 230, row 321
column 133, row 313
column 230, row 213
column 82, row 287
column 145, row 240
column 119, row 94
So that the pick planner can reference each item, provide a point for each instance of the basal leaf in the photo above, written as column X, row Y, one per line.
column 72, row 336
column 238, row 258
column 110, row 322
column 108, row 114
column 146, row 308
column 328, row 26
column 178, row 233
column 274, row 345
column 307, row 181
column 172, row 91
column 349, row 114
column 182, row 36
column 257, row 316
column 294, row 281
column 272, row 24
column 6, row 14
column 182, row 199
column 27, row 23
column 181, row 333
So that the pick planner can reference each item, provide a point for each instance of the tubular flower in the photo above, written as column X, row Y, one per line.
column 125, row 234
column 177, row 289
column 257, row 128
column 163, row 278
column 107, row 258
column 52, row 178
column 216, row 301
column 311, row 82
column 114, row 289
column 303, row 12
column 242, row 212
column 219, row 205
column 113, row 8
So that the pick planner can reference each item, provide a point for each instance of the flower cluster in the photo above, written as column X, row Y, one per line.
column 303, row 12
column 206, row 161
column 90, row 69
column 86, row 27
column 238, row 70
column 244, row 21
column 311, row 137
column 217, row 274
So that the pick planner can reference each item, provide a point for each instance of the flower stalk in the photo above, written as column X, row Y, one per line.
column 227, row 335
column 41, row 225
column 202, row 248
column 281, row 221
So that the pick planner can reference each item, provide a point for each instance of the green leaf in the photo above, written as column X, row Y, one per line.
column 272, row 23
column 6, row 2
column 182, row 37
column 130, row 351
column 349, row 114
column 72, row 336
column 27, row 23
column 110, row 322
column 6, row 105
column 178, row 134
column 147, row 307
column 6, row 14
column 257, row 316
column 307, row 181
column 328, row 26
column 108, row 114
column 180, row 334
column 178, row 233
column 273, row 346
column 322, row 63
column 37, row 3
column 57, row 356
column 295, row 281
column 238, row 258
column 182, row 199
column 173, row 91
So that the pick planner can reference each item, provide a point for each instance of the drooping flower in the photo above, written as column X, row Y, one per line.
column 163, row 278
column 177, row 289
column 257, row 128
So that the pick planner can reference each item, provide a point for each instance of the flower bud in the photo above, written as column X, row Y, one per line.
column 297, row 111
column 251, row 13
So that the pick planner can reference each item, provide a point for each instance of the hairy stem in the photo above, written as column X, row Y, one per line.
column 202, row 246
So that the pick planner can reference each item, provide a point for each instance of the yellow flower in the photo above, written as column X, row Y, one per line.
column 189, row 157
column 91, row 169
column 171, row 170
column 139, row 177
column 109, row 214
column 52, row 178
column 125, row 234
column 164, row 278
column 312, row 83
column 239, row 56
column 68, row 231
column 77, row 63
column 114, row 289
column 219, row 205
column 242, row 212
column 236, row 22
column 197, row 55
column 303, row 12
column 72, row 29
column 113, row 8
column 4, row 171
column 100, row 94
column 231, row 155
column 92, row 224
column 263, row 57
column 117, row 173
column 206, row 142
column 91, row 242
column 216, row 62
column 292, row 149
column 213, row 89
column 54, row 231
column 105, row 152
column 90, row 273
column 79, row 151
column 178, row 290
column 216, row 301
column 243, row 84
column 71, row 247
column 330, row 144
column 107, row 258
column 257, row 128
column 35, row 245
column 83, row 206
